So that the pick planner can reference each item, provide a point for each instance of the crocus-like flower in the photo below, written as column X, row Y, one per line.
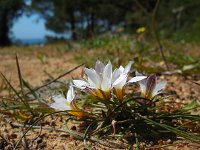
column 102, row 80
column 98, row 81
column 149, row 86
column 68, row 103
column 119, row 80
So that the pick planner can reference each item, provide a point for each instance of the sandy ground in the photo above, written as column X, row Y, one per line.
column 36, row 66
column 182, row 89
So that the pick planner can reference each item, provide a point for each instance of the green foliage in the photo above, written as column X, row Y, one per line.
column 190, row 106
column 119, row 49
column 84, row 19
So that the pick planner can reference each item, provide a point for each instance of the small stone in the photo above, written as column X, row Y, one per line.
column 13, row 136
column 65, row 135
column 73, row 128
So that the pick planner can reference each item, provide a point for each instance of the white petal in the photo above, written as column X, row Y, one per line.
column 99, row 67
column 59, row 99
column 106, row 84
column 138, row 74
column 121, row 81
column 60, row 106
column 70, row 94
column 143, row 85
column 80, row 84
column 108, row 70
column 158, row 88
column 107, row 77
column 93, row 76
column 128, row 67
column 121, row 69
column 115, row 75
column 60, row 103
column 92, row 84
column 160, row 85
column 137, row 78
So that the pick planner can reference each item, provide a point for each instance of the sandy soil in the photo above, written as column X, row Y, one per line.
column 182, row 89
column 36, row 66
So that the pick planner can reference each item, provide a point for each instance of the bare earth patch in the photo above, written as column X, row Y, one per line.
column 38, row 66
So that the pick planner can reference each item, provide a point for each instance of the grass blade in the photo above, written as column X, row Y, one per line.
column 30, row 89
column 18, row 95
column 19, row 76
column 181, row 133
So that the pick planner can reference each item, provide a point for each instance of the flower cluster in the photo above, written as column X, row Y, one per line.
column 105, row 84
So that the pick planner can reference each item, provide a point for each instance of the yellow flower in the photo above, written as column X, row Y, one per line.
column 141, row 30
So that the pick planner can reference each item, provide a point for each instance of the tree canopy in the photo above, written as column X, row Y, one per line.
column 88, row 18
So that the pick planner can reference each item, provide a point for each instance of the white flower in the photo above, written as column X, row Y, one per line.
column 98, row 81
column 68, row 103
column 119, row 80
column 149, row 86
column 121, row 71
column 102, row 80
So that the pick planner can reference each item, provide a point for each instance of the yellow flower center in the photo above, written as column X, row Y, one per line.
column 119, row 93
column 101, row 94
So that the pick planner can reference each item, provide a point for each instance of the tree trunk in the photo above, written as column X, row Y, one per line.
column 73, row 25
column 4, row 29
column 90, row 27
column 91, row 32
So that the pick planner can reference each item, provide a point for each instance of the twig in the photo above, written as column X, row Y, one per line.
column 81, row 135
column 117, row 123
column 49, row 75
column 60, row 76
column 24, row 140
column 144, row 10
column 35, row 138
column 152, row 16
column 195, row 83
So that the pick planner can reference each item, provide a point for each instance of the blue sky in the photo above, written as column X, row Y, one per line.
column 31, row 27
